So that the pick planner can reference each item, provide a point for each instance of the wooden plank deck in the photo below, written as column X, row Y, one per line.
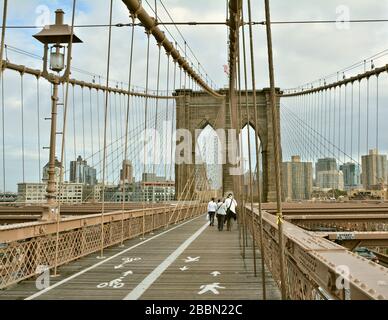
column 189, row 261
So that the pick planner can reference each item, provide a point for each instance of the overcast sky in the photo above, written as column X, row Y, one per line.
column 302, row 53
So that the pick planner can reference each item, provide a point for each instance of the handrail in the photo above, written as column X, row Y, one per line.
column 315, row 264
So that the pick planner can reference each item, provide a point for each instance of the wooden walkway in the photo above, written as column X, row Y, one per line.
column 190, row 261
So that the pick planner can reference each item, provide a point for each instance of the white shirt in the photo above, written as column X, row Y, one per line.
column 221, row 209
column 231, row 203
column 212, row 206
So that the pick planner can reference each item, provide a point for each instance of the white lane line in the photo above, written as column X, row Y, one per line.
column 137, row 292
column 103, row 261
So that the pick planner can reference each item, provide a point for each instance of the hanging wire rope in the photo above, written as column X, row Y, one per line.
column 3, row 129
column 38, row 126
column 74, row 125
column 359, row 121
column 105, row 129
column 91, row 124
column 22, row 125
column 65, row 98
column 83, row 122
column 377, row 112
column 367, row 114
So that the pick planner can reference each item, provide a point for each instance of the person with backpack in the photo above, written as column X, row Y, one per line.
column 221, row 213
column 231, row 212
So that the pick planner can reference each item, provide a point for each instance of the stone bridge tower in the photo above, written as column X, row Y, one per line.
column 196, row 110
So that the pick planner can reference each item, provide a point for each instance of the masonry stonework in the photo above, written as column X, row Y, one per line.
column 196, row 110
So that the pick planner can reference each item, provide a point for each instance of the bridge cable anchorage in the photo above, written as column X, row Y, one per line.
column 277, row 149
column 134, row 6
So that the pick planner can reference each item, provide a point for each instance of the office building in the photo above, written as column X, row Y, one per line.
column 36, row 193
column 374, row 170
column 81, row 172
column 352, row 175
column 297, row 179
column 126, row 173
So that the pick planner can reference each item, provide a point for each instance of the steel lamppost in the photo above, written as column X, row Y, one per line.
column 55, row 35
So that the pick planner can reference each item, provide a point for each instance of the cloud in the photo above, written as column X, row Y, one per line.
column 302, row 53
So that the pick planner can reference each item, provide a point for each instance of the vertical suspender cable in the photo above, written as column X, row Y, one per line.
column 276, row 143
column 367, row 115
column 156, row 118
column 127, row 123
column 38, row 125
column 22, row 121
column 83, row 122
column 3, row 127
column 91, row 125
column 249, row 150
column 67, row 78
column 172, row 161
column 148, row 32
column 3, row 29
column 345, row 122
column 167, row 114
column 74, row 124
column 262, row 248
column 351, row 121
column 359, row 121
column 339, row 122
column 105, row 129
column 377, row 112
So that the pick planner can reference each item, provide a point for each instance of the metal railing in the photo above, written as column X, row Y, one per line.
column 26, row 248
column 317, row 268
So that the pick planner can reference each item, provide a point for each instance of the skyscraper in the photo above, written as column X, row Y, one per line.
column 374, row 170
column 325, row 164
column 297, row 179
column 126, row 173
column 81, row 172
column 351, row 172
column 327, row 175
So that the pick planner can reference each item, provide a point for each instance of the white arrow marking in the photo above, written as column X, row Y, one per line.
column 184, row 268
column 215, row 273
column 210, row 287
column 190, row 259
column 127, row 273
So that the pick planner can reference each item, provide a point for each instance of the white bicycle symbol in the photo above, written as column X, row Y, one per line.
column 115, row 284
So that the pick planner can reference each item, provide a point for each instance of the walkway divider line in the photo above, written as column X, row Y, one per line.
column 138, row 291
column 35, row 295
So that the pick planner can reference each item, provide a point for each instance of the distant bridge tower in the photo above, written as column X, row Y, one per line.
column 196, row 110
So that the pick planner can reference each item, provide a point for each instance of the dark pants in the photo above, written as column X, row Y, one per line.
column 220, row 219
column 211, row 218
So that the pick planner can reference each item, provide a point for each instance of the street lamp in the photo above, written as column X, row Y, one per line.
column 55, row 35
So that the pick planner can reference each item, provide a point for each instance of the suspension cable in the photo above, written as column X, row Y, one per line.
column 22, row 123
column 105, row 129
column 128, row 109
column 277, row 151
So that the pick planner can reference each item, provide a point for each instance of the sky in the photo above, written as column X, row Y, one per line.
column 302, row 54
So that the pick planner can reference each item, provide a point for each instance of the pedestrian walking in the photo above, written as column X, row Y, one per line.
column 231, row 213
column 211, row 210
column 221, row 213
